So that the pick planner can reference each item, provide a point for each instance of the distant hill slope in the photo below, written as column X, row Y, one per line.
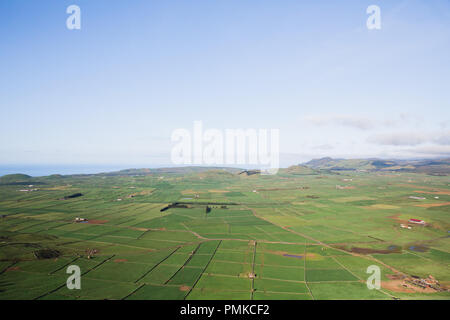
column 15, row 178
column 174, row 170
column 340, row 164
column 298, row 170
column 436, row 166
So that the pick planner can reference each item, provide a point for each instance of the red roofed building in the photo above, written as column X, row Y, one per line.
column 416, row 221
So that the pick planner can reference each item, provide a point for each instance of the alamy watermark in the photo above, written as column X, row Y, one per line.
column 374, row 280
column 374, row 20
column 237, row 147
column 73, row 22
column 74, row 280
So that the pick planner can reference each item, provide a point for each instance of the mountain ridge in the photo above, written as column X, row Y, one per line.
column 430, row 166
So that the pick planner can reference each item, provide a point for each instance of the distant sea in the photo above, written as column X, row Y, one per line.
column 46, row 170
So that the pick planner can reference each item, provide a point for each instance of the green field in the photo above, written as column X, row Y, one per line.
column 297, row 235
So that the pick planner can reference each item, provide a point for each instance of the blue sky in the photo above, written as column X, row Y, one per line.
column 113, row 92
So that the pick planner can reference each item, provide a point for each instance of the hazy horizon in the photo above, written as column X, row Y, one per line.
column 67, row 169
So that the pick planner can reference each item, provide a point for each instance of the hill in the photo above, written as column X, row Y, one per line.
column 173, row 170
column 298, row 170
column 433, row 167
column 17, row 178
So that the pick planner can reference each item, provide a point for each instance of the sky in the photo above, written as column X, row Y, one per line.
column 113, row 92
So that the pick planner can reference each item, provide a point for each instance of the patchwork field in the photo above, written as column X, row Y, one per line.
column 221, row 235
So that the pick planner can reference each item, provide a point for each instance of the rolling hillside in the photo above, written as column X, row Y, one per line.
column 434, row 167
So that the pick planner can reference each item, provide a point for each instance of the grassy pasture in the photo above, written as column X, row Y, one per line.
column 291, row 236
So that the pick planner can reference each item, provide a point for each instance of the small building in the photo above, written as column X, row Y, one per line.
column 417, row 198
column 416, row 221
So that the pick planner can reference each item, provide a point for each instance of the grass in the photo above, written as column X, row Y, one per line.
column 303, row 227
